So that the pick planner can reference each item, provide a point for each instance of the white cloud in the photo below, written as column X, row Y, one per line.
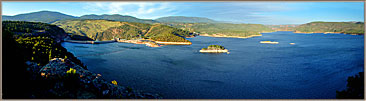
column 147, row 10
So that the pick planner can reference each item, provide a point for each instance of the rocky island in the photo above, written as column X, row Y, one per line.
column 214, row 49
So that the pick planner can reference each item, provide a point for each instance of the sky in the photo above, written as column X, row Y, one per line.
column 236, row 12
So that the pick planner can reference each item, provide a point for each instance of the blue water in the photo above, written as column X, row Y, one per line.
column 314, row 68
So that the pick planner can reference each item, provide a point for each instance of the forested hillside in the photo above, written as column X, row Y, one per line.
column 117, row 17
column 108, row 30
column 338, row 27
column 34, row 29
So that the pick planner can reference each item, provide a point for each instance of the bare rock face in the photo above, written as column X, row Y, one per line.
column 73, row 81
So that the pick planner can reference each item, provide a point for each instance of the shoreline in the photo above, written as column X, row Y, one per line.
column 226, row 36
column 89, row 42
column 173, row 43
column 325, row 33
column 148, row 42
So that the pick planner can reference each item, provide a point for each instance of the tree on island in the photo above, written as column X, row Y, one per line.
column 214, row 47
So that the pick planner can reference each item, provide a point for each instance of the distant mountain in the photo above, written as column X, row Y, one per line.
column 41, row 16
column 228, row 29
column 331, row 27
column 183, row 19
column 117, row 17
column 51, row 16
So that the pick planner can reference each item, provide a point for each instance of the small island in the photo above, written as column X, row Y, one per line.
column 269, row 42
column 214, row 49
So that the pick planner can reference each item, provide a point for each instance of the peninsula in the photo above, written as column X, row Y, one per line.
column 353, row 28
column 101, row 31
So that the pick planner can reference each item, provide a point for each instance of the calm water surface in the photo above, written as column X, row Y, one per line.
column 315, row 67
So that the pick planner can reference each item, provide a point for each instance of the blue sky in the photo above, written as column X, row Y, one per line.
column 238, row 12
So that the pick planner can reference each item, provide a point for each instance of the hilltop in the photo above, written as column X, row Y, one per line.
column 107, row 30
column 34, row 29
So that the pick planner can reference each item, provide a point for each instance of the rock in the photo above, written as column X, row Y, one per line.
column 105, row 92
column 90, row 84
column 43, row 74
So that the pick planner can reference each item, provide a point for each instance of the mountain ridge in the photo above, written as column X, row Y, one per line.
column 46, row 16
column 40, row 16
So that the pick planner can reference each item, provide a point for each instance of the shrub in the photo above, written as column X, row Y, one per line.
column 114, row 82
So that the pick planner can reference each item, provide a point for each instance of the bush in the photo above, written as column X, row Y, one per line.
column 216, row 47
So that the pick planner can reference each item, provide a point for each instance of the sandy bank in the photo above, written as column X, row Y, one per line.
column 174, row 43
column 148, row 43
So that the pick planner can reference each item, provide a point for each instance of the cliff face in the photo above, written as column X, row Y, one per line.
column 66, row 79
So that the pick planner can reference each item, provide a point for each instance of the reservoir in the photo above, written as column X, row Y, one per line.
column 314, row 67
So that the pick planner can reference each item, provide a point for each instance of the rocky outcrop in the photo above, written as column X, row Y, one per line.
column 69, row 80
